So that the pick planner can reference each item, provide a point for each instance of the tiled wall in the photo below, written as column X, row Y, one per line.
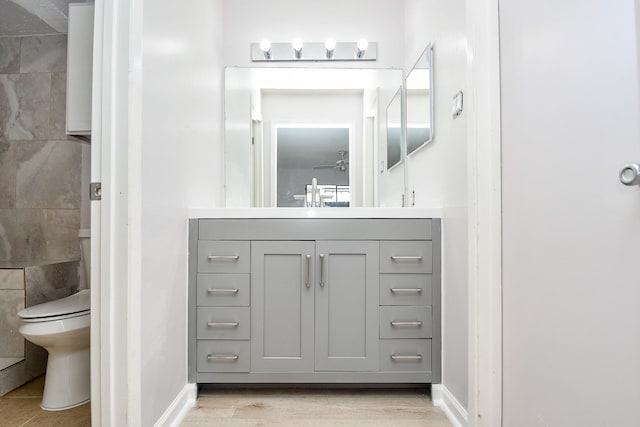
column 12, row 300
column 40, row 167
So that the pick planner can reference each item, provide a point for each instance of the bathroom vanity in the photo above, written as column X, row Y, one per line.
column 314, row 296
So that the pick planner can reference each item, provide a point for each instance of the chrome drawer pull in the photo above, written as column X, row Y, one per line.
column 222, row 291
column 222, row 324
column 405, row 357
column 308, row 284
column 406, row 258
column 223, row 257
column 416, row 323
column 222, row 357
column 406, row 290
column 322, row 270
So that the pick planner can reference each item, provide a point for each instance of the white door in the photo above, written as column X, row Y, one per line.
column 571, row 230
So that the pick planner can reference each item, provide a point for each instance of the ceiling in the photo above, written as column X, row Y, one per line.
column 33, row 17
column 307, row 147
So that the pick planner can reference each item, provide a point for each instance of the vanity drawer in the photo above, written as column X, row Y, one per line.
column 405, row 289
column 406, row 256
column 231, row 323
column 405, row 322
column 405, row 355
column 223, row 356
column 223, row 256
column 223, row 290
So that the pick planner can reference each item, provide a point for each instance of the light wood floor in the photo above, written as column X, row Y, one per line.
column 312, row 408
column 21, row 408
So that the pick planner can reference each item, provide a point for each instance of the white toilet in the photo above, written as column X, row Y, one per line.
column 62, row 328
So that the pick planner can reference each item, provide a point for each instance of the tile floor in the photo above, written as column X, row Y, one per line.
column 21, row 408
column 314, row 408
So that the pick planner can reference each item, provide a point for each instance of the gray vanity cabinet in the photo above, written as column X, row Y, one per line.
column 347, row 306
column 314, row 297
column 314, row 300
column 282, row 306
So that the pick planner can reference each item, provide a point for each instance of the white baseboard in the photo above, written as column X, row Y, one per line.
column 178, row 409
column 443, row 399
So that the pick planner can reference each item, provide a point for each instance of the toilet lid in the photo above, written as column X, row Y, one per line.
column 76, row 303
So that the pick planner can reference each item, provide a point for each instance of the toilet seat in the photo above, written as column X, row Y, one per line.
column 78, row 304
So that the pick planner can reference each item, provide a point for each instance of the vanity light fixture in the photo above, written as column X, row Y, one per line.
column 330, row 46
column 363, row 44
column 329, row 50
column 297, row 47
column 265, row 46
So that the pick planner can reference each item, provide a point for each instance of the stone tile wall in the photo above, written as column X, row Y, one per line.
column 40, row 167
column 40, row 173
column 12, row 300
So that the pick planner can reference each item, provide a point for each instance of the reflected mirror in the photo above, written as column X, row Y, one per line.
column 419, row 99
column 394, row 130
column 286, row 128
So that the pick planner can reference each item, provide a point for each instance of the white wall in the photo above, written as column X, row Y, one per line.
column 571, row 340
column 179, row 75
column 249, row 21
column 438, row 171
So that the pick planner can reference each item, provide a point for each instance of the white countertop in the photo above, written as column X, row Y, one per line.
column 315, row 213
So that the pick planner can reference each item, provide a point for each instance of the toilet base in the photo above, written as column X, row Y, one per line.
column 67, row 383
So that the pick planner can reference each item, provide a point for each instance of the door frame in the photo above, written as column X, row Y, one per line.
column 484, row 214
column 115, row 219
column 116, row 372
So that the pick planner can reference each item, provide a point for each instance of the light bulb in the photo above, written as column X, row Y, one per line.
column 297, row 47
column 362, row 46
column 265, row 45
column 330, row 44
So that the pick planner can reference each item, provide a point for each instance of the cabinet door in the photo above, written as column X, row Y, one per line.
column 347, row 289
column 282, row 306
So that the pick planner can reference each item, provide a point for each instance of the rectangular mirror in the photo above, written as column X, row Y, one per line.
column 394, row 130
column 419, row 99
column 286, row 126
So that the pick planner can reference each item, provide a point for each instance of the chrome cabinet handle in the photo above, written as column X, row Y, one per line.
column 406, row 357
column 222, row 291
column 223, row 257
column 322, row 270
column 416, row 323
column 222, row 357
column 406, row 258
column 308, row 271
column 222, row 324
column 406, row 290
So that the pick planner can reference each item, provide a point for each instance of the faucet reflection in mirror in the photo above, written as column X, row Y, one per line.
column 324, row 195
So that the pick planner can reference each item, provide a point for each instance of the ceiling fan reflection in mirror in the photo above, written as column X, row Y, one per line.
column 340, row 164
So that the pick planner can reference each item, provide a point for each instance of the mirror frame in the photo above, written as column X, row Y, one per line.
column 398, row 96
column 428, row 54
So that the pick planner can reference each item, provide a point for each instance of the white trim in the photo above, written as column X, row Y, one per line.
column 115, row 378
column 485, row 215
column 177, row 411
column 443, row 399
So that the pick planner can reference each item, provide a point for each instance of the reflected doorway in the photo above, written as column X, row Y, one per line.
column 304, row 152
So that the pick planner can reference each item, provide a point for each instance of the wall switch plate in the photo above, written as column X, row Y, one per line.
column 457, row 104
